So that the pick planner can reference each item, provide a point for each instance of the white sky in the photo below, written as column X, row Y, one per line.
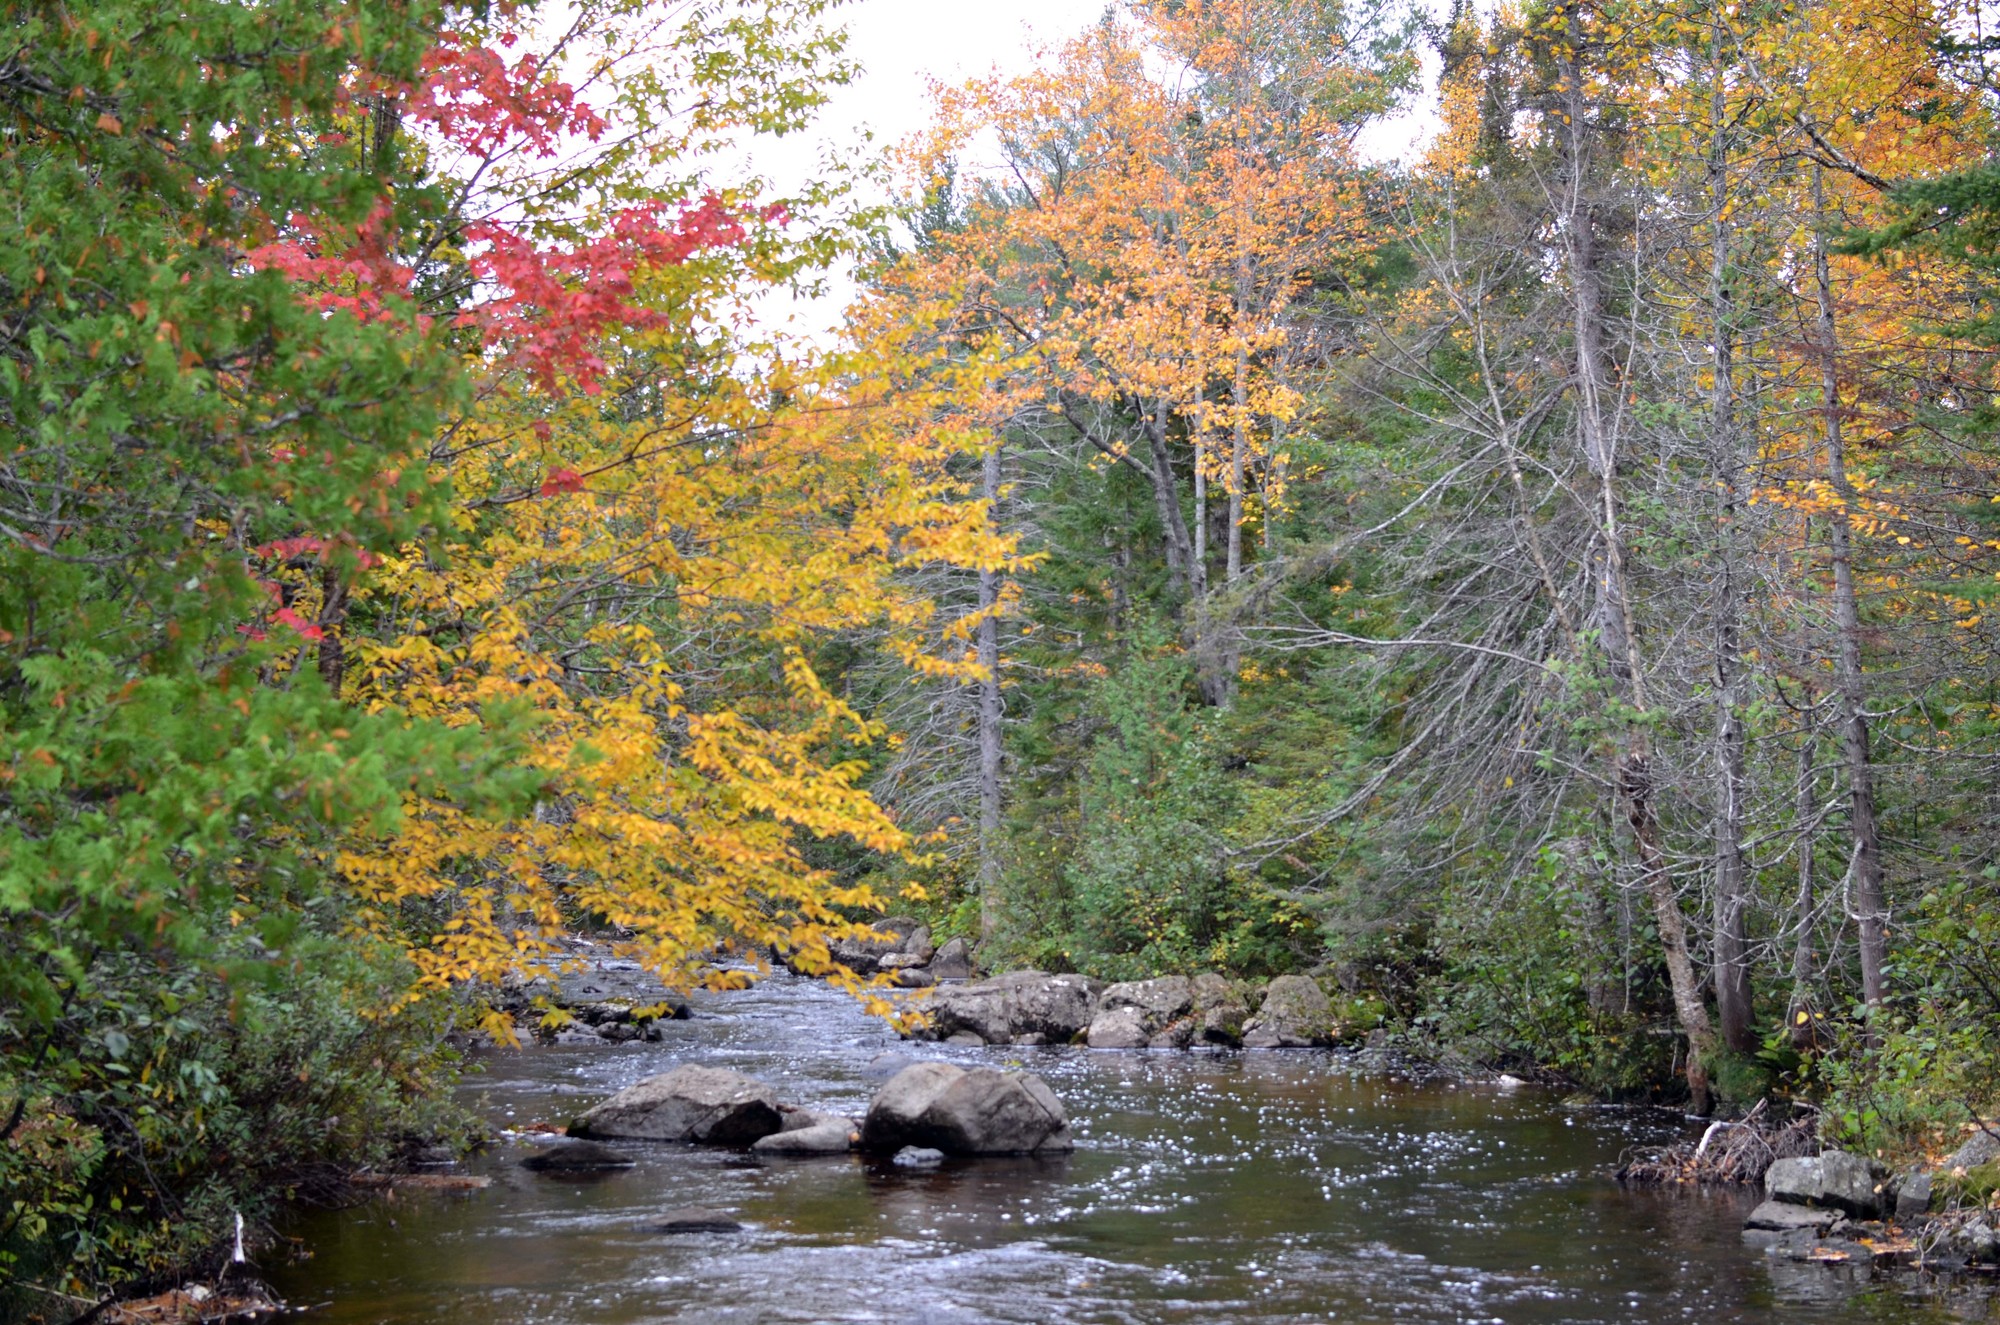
column 901, row 46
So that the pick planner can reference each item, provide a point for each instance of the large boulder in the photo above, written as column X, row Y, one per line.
column 941, row 1106
column 1836, row 1180
column 1295, row 1014
column 1794, row 1181
column 1219, row 1009
column 953, row 961
column 706, row 1105
column 1000, row 1010
column 1134, row 1014
column 1980, row 1148
column 1852, row 1183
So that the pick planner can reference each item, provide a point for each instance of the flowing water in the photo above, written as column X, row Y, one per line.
column 1278, row 1186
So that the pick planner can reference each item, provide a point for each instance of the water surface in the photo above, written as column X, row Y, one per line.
column 1277, row 1186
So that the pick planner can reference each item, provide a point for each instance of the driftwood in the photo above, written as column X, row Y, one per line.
column 1728, row 1152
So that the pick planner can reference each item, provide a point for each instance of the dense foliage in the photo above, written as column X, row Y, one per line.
column 1542, row 586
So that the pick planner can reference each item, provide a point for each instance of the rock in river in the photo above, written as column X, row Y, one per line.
column 1133, row 1015
column 694, row 1219
column 1057, row 1007
column 707, row 1105
column 1295, row 1014
column 835, row 1136
column 941, row 1106
column 577, row 1157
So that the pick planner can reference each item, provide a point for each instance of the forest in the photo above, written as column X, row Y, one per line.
column 1539, row 585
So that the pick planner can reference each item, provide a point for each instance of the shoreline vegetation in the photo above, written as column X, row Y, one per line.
column 1527, row 602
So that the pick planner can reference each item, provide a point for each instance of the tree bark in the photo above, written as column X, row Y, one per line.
column 1869, row 907
column 1733, row 1010
column 990, row 749
column 1632, row 758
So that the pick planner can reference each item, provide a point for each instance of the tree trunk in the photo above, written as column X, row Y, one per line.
column 1733, row 1011
column 989, row 722
column 1632, row 760
column 1869, row 907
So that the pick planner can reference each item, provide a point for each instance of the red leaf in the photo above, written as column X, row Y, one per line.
column 561, row 481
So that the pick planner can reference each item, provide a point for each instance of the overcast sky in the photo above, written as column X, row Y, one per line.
column 901, row 46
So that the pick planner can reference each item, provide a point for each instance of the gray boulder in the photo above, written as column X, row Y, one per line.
column 1019, row 1003
column 1132, row 1015
column 941, row 1106
column 1979, row 1148
column 952, row 962
column 1913, row 1195
column 1219, row 1009
column 1295, row 1014
column 914, row 977
column 917, row 1157
column 1794, row 1181
column 834, row 1136
column 1851, row 1183
column 1783, row 1217
column 706, row 1105
column 1120, row 1028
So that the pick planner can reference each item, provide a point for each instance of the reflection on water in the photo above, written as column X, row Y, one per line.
column 1239, row 1187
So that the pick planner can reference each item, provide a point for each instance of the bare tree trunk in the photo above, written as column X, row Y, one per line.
column 990, row 901
column 1732, row 970
column 1869, row 905
column 1799, row 1015
column 333, row 621
column 1633, row 774
column 1166, row 496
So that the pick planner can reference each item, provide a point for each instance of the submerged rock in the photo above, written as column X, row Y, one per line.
column 834, row 1136
column 917, row 1157
column 695, row 1219
column 1019, row 1003
column 706, row 1105
column 1783, row 1217
column 577, row 1157
column 941, row 1106
column 1295, row 1015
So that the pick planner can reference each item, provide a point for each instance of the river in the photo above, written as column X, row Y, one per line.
column 1240, row 1187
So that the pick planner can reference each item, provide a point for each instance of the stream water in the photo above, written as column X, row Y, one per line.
column 1278, row 1186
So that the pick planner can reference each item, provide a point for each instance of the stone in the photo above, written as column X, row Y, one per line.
column 1783, row 1217
column 1913, row 1195
column 953, row 961
column 1020, row 1002
column 885, row 1065
column 1219, row 1009
column 706, row 1105
column 917, row 1157
column 1795, row 1181
column 619, row 1032
column 1295, row 1014
column 941, row 1106
column 914, row 977
column 836, row 1136
column 897, row 961
column 917, row 944
column 1977, row 1242
column 970, row 1039
column 1979, row 1148
column 1177, row 1036
column 1131, row 1015
column 694, row 1219
column 1032, row 1040
column 577, row 1157
column 1851, row 1183
column 865, row 954
column 1120, row 1028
